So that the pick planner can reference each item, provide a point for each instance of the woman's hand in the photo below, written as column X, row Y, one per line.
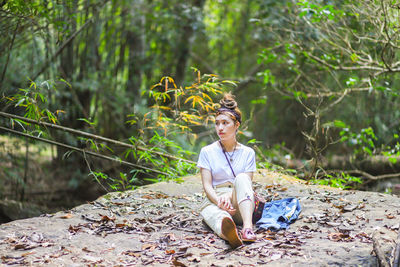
column 225, row 203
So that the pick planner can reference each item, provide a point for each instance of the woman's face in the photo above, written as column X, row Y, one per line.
column 225, row 127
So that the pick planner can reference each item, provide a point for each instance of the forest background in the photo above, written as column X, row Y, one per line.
column 132, row 86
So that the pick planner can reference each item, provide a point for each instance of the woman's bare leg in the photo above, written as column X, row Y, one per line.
column 246, row 205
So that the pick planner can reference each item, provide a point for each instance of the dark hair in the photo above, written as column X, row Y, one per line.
column 229, row 107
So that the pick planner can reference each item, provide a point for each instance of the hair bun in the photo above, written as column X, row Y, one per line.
column 228, row 101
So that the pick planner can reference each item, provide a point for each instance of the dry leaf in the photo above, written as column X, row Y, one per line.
column 178, row 263
column 105, row 218
column 27, row 253
column 169, row 252
column 132, row 253
column 67, row 216
column 86, row 249
column 148, row 246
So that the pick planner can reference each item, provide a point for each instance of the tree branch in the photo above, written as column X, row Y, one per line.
column 96, row 137
column 82, row 151
column 370, row 176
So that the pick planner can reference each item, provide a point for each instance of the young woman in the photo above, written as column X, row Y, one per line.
column 227, row 168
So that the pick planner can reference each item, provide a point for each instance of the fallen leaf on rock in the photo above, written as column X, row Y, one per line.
column 146, row 261
column 29, row 242
column 148, row 229
column 74, row 229
column 205, row 253
column 118, row 203
column 140, row 220
column 13, row 260
column 105, row 218
column 393, row 227
column 364, row 237
column 169, row 252
column 91, row 259
column 86, row 249
column 175, row 262
column 27, row 253
column 192, row 237
column 67, row 216
column 23, row 246
column 156, row 196
column 135, row 254
column 336, row 237
column 149, row 247
column 389, row 216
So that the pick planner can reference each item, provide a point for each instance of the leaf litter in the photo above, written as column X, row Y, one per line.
column 171, row 232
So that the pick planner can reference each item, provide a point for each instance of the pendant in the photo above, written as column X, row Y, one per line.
column 231, row 160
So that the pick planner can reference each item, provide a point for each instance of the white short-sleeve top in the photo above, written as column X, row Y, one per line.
column 212, row 158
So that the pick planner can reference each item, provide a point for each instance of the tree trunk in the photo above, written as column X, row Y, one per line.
column 134, row 42
column 185, row 45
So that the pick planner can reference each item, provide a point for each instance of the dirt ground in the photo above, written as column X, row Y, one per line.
column 159, row 225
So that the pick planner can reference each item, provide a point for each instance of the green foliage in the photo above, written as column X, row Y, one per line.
column 272, row 158
column 363, row 142
column 341, row 180
column 393, row 152
column 317, row 12
column 319, row 62
column 35, row 101
column 120, row 183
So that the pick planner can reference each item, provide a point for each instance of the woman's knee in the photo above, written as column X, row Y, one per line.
column 242, row 178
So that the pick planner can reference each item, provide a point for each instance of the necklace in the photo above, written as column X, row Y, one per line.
column 231, row 155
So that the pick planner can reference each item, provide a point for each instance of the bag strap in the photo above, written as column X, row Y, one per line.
column 223, row 151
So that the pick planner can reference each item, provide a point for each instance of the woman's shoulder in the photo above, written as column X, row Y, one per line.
column 246, row 149
column 211, row 147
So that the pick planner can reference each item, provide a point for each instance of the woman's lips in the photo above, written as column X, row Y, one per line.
column 220, row 133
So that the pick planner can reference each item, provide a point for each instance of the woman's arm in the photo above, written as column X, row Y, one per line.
column 206, row 178
column 225, row 201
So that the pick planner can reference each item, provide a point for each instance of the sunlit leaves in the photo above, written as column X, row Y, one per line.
column 182, row 108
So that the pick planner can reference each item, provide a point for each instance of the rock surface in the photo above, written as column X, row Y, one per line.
column 158, row 225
